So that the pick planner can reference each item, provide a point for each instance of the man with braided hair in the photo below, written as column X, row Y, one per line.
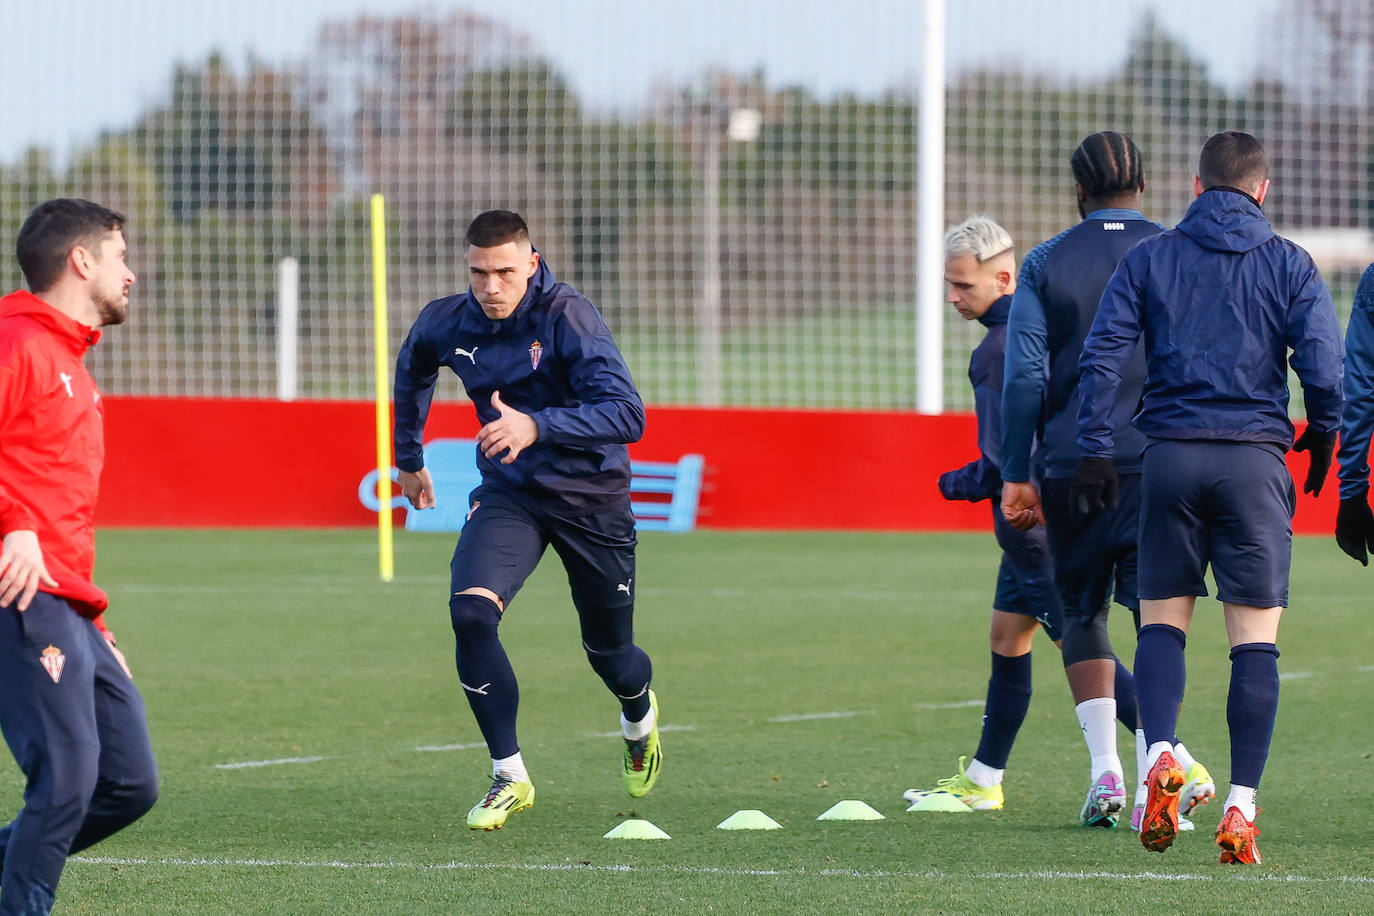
column 1094, row 546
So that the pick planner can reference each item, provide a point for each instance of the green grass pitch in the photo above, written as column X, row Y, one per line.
column 794, row 671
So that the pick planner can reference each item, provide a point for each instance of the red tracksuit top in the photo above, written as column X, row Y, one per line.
column 52, row 443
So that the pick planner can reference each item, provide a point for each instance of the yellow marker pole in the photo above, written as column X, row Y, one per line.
column 381, row 353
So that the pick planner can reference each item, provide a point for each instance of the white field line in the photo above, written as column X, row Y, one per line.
column 333, row 584
column 809, row 716
column 248, row 764
column 928, row 875
column 617, row 733
column 428, row 748
column 961, row 704
column 1296, row 675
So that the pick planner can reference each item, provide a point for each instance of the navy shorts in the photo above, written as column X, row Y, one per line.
column 1025, row 577
column 1225, row 503
column 1094, row 558
column 505, row 536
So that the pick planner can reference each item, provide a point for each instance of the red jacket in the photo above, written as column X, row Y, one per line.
column 52, row 443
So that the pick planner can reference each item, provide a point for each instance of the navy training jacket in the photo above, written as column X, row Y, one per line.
column 552, row 358
column 1220, row 300
column 1357, row 417
column 1057, row 295
column 982, row 477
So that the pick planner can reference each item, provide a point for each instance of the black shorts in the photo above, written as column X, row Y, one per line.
column 1094, row 558
column 505, row 536
column 1025, row 577
column 1225, row 503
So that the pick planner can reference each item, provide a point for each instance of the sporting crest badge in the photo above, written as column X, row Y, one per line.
column 53, row 662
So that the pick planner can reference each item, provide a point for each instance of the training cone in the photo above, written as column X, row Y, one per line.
column 941, row 801
column 850, row 810
column 636, row 829
column 749, row 819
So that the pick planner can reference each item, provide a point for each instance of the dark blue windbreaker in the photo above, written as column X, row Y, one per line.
column 1220, row 300
column 1057, row 293
column 1357, row 418
column 552, row 358
column 982, row 478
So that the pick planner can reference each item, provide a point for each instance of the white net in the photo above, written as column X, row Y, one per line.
column 734, row 184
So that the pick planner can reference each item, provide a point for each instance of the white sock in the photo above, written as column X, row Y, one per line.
column 1242, row 797
column 512, row 767
column 1097, row 717
column 1152, row 755
column 633, row 731
column 1185, row 759
column 980, row 774
column 1141, row 792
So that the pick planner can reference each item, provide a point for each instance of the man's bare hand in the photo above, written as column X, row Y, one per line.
column 1021, row 505
column 22, row 569
column 418, row 488
column 512, row 432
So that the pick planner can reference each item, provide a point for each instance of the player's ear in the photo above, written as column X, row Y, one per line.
column 1003, row 280
column 1197, row 186
column 1262, row 192
column 534, row 263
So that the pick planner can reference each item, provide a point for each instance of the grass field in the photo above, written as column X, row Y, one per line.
column 794, row 670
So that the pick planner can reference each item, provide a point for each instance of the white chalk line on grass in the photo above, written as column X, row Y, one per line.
column 619, row 734
column 250, row 764
column 929, row 875
column 1296, row 675
column 810, row 716
column 333, row 584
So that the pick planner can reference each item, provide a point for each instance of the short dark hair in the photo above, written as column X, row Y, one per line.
column 53, row 229
column 1108, row 164
column 496, row 227
column 1232, row 159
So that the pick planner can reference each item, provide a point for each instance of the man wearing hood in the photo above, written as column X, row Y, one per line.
column 558, row 407
column 69, row 710
column 1217, row 302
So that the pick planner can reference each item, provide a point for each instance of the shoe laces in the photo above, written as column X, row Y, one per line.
column 498, row 785
column 635, row 751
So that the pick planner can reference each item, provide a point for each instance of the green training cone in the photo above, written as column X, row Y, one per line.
column 850, row 810
column 635, row 829
column 749, row 819
column 941, row 801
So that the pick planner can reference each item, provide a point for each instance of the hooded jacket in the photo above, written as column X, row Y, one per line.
column 1357, row 417
column 552, row 358
column 1220, row 300
column 52, row 443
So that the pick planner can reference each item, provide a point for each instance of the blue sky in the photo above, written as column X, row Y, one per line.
column 71, row 68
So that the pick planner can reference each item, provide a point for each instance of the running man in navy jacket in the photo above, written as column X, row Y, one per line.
column 980, row 271
column 558, row 406
column 1094, row 558
column 1217, row 304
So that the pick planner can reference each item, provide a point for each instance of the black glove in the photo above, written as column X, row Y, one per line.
column 1320, row 445
column 1094, row 487
column 1355, row 527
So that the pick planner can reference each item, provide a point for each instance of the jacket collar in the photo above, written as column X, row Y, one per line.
column 997, row 313
column 77, row 336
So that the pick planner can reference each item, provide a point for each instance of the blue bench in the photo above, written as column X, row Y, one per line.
column 664, row 495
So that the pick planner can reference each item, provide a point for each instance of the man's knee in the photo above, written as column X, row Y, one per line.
column 1086, row 639
column 473, row 611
